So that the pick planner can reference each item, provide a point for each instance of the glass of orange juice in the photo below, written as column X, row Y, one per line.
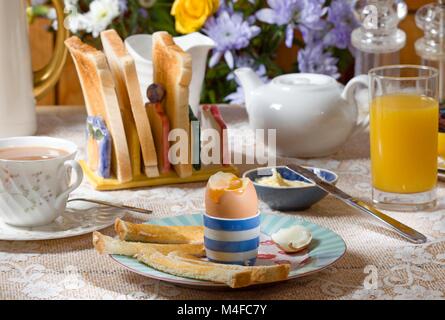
column 404, row 122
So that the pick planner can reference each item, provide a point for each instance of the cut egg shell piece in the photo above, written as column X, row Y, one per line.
column 292, row 239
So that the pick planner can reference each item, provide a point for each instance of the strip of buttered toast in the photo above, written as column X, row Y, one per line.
column 123, row 68
column 231, row 277
column 107, row 245
column 159, row 234
column 100, row 99
column 184, row 260
column 172, row 68
column 157, row 257
column 260, row 274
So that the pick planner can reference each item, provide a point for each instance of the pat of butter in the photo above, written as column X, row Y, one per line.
column 276, row 180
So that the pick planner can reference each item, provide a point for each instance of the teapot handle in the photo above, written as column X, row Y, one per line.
column 47, row 77
column 349, row 95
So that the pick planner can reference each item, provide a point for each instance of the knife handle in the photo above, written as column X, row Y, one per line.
column 402, row 229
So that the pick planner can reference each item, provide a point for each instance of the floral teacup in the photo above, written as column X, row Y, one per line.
column 34, row 193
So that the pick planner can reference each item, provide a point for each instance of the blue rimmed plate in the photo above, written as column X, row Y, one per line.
column 326, row 248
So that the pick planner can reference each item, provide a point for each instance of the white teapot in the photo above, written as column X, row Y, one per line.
column 312, row 113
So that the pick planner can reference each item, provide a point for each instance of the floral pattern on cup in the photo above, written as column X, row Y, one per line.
column 34, row 193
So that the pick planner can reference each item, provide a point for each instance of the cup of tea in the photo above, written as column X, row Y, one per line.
column 35, row 179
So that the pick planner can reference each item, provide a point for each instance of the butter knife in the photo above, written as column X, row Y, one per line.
column 402, row 229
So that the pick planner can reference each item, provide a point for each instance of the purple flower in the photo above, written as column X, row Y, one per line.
column 313, row 59
column 281, row 12
column 340, row 12
column 123, row 6
column 311, row 13
column 225, row 5
column 246, row 61
column 236, row 97
column 143, row 13
column 312, row 36
column 340, row 15
column 291, row 13
column 230, row 32
column 339, row 36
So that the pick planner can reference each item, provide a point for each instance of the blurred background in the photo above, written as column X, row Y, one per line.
column 264, row 35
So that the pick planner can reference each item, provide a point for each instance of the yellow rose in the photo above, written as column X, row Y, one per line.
column 192, row 14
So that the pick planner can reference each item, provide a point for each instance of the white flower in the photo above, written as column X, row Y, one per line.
column 417, row 292
column 74, row 21
column 97, row 19
column 100, row 16
column 71, row 6
column 414, row 255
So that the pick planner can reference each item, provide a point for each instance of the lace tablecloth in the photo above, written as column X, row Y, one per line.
column 396, row 269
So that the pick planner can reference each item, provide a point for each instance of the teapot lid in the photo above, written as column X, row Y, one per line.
column 304, row 81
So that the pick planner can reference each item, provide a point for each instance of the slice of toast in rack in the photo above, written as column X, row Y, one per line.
column 161, row 129
column 123, row 68
column 172, row 68
column 211, row 119
column 101, row 100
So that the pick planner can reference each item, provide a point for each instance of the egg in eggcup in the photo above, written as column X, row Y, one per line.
column 232, row 224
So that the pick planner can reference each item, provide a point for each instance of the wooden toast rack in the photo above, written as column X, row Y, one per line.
column 110, row 184
column 128, row 142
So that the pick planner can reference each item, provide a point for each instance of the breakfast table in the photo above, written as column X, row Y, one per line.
column 378, row 264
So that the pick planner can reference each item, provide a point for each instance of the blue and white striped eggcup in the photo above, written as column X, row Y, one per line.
column 232, row 241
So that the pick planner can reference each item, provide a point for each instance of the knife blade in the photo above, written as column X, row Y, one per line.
column 402, row 229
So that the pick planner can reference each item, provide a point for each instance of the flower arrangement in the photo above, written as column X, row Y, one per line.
column 246, row 32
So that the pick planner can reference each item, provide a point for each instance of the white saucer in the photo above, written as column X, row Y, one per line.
column 79, row 218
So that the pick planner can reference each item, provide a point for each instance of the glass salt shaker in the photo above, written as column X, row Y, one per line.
column 378, row 40
column 431, row 47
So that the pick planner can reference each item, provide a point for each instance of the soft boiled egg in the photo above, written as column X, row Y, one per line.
column 292, row 239
column 230, row 197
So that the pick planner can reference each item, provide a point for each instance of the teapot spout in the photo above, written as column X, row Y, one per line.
column 250, row 81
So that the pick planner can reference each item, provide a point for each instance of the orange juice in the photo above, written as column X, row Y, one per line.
column 404, row 143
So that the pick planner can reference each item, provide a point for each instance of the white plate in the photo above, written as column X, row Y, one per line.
column 79, row 218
